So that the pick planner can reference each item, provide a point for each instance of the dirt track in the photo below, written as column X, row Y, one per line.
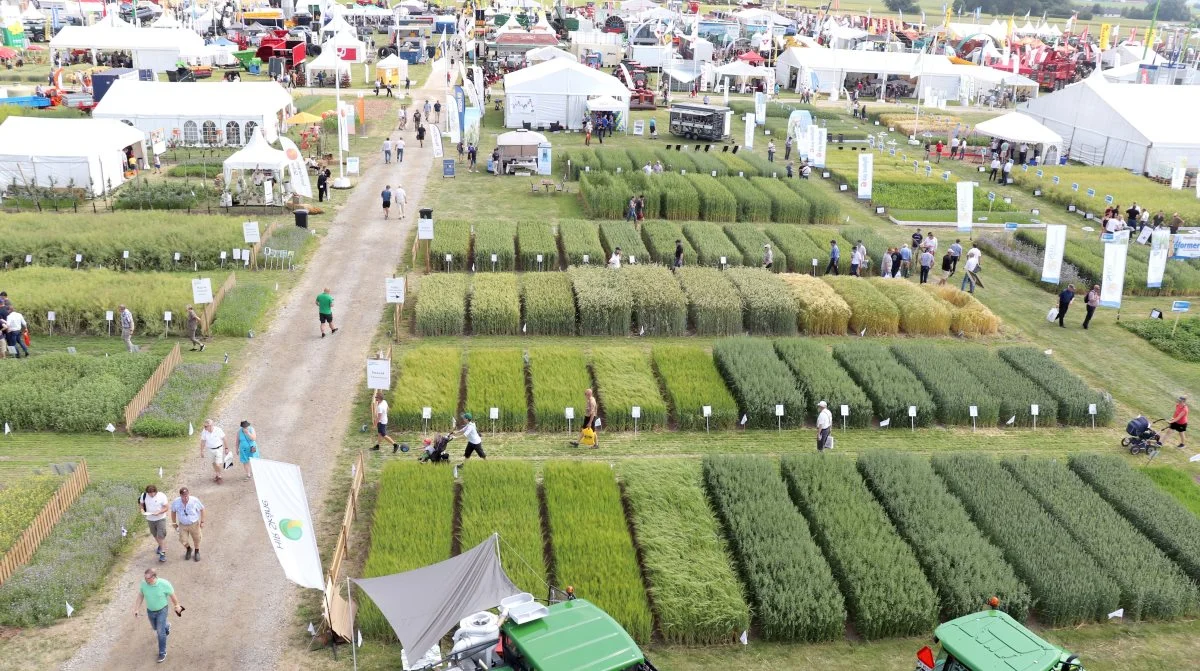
column 298, row 389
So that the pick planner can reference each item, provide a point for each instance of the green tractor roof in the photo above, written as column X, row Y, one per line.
column 993, row 641
column 574, row 636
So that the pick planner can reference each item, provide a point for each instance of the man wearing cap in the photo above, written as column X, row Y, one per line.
column 824, row 424
column 1179, row 421
column 474, row 442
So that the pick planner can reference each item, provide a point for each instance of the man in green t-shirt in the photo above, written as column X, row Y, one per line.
column 325, row 311
column 156, row 592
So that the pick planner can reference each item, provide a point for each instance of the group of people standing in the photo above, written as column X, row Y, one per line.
column 898, row 262
column 14, row 329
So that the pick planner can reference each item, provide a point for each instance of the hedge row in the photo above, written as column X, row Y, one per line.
column 624, row 379
column 659, row 305
column 453, row 238
column 427, row 377
column 494, row 238
column 822, row 379
column 622, row 234
column 441, row 305
column 691, row 381
column 711, row 245
column 557, row 378
column 660, row 237
column 1014, row 392
column 759, row 381
column 786, row 206
column 603, row 300
column 714, row 305
column 752, row 203
column 716, row 202
column 767, row 303
column 537, row 238
column 495, row 304
column 891, row 387
column 496, row 379
column 549, row 304
column 799, row 249
column 954, row 388
column 1072, row 394
column 789, row 584
column 579, row 239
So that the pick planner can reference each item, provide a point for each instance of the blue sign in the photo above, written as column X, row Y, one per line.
column 928, row 170
column 892, row 152
column 946, row 175
column 1091, row 193
column 1040, row 172
column 1075, row 186
column 1056, row 180
column 447, row 167
column 1025, row 168
column 1181, row 306
column 1106, row 237
column 991, row 195
column 1011, row 225
column 460, row 101
column 1108, row 200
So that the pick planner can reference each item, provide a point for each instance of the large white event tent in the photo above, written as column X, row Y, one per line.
column 829, row 67
column 346, row 42
column 534, row 56
column 88, row 153
column 258, row 154
column 217, row 113
column 556, row 91
column 1145, row 128
column 159, row 49
column 1020, row 128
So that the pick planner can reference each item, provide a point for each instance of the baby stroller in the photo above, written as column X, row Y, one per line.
column 435, row 452
column 1142, row 437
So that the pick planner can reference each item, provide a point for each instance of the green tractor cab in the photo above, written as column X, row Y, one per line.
column 573, row 635
column 992, row 641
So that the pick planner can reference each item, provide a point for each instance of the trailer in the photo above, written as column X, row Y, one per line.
column 696, row 121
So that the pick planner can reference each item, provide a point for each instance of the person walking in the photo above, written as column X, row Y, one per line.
column 916, row 239
column 926, row 263
column 1008, row 166
column 437, row 108
column 428, row 108
column 947, row 268
column 14, row 333
column 995, row 166
column 247, row 446
column 1064, row 302
column 835, row 255
column 325, row 311
column 127, row 327
column 1179, row 421
column 1091, row 302
column 787, row 148
column 154, row 506
column 771, row 151
column 972, row 269
column 193, row 329
column 591, row 410
column 387, row 151
column 399, row 150
column 379, row 410
column 474, row 442
column 938, row 150
column 421, row 135
column 212, row 447
column 614, row 261
column 156, row 593
column 322, row 185
column 401, row 198
column 857, row 256
column 955, row 252
column 386, row 196
column 905, row 260
column 678, row 254
column 187, row 517
column 885, row 263
column 824, row 426
column 768, row 257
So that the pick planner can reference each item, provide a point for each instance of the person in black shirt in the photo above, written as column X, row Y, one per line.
column 917, row 238
column 679, row 253
column 322, row 185
column 1064, row 302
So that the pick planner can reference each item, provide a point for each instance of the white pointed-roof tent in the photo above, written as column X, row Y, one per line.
column 88, row 153
column 258, row 154
column 1139, row 127
column 345, row 40
column 1021, row 128
column 829, row 68
column 158, row 49
column 328, row 61
column 186, row 110
column 556, row 91
column 535, row 56
column 392, row 70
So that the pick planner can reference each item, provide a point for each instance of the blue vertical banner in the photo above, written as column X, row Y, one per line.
column 460, row 99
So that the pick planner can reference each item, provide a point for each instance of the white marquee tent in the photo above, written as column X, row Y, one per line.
column 1139, row 127
column 258, row 154
column 218, row 113
column 829, row 68
column 1020, row 128
column 556, row 91
column 541, row 54
column 58, row 152
column 157, row 49
column 328, row 61
column 345, row 41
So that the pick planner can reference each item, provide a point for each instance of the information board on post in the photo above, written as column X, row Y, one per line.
column 866, row 174
column 394, row 288
column 250, row 233
column 379, row 374
column 202, row 293
column 1056, row 241
column 966, row 206
column 425, row 229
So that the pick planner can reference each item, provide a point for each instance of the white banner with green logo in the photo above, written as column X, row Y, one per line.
column 284, row 507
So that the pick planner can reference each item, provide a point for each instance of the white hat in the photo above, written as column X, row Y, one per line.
column 822, row 404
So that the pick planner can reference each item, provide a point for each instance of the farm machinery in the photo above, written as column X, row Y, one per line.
column 992, row 641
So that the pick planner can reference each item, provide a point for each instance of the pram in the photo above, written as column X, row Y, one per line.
column 1142, row 436
column 436, row 452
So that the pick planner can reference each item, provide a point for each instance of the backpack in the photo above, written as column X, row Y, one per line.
column 587, row 437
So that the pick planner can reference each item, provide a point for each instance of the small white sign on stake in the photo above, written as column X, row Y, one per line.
column 569, row 413
column 1092, row 412
column 379, row 374
column 50, row 316
column 177, row 256
column 1033, row 411
column 779, row 410
column 974, row 411
column 167, row 316
column 125, row 254
column 79, row 258
column 28, row 258
column 723, row 261
column 108, row 315
column 912, row 417
column 494, row 413
column 585, row 259
column 636, row 412
column 427, row 413
column 845, row 410
column 912, row 411
column 706, row 411
column 394, row 287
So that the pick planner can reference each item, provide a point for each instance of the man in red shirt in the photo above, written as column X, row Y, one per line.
column 1179, row 420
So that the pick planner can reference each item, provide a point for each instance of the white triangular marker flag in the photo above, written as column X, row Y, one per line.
column 886, row 422
column 862, row 333
column 110, row 428
column 1048, row 352
column 745, row 638
column 312, row 631
column 124, row 531
column 1120, row 612
column 360, row 638
column 1011, row 420
column 191, row 429
column 743, row 420
column 455, row 471
column 160, row 472
column 277, row 289
column 524, row 328
column 70, row 609
column 1195, row 457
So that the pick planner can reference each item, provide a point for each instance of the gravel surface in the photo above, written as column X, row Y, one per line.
column 298, row 389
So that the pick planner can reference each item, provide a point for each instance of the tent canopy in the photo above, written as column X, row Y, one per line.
column 258, row 154
column 171, row 105
column 125, row 38
column 329, row 62
column 1018, row 127
column 520, row 138
column 741, row 69
column 556, row 91
column 606, row 104
column 57, row 152
column 425, row 603
column 547, row 53
column 392, row 62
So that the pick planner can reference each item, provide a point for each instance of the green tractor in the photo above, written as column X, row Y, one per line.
column 992, row 641
column 572, row 635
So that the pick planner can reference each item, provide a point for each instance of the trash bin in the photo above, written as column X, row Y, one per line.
column 301, row 218
column 425, row 213
column 841, row 138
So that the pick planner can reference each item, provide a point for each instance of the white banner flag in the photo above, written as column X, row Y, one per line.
column 810, row 143
column 819, row 150
column 760, row 108
column 1056, row 240
column 436, row 137
column 343, row 128
column 284, row 507
column 1186, row 246
column 866, row 169
column 1113, row 283
column 301, row 184
column 966, row 206
column 748, row 139
column 1160, row 249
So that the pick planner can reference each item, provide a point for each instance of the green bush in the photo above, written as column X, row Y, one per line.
column 920, row 312
column 71, row 393
column 964, row 568
column 583, row 158
column 496, row 379
column 592, row 548
column 605, row 196
column 749, row 241
column 716, row 202
column 680, row 201
column 400, row 540
column 454, row 238
column 502, row 497
column 691, row 381
column 891, row 387
column 166, row 195
column 767, row 303
column 886, row 593
column 1157, row 589
column 242, row 310
column 624, row 379
column 495, row 304
column 1174, row 529
column 714, row 304
column 1067, row 586
column 548, row 303
column 870, row 310
column 605, row 306
column 823, row 209
column 798, row 248
column 622, row 234
column 1182, row 342
column 788, row 583
column 182, row 400
column 557, row 376
column 752, row 204
column 441, row 305
column 786, row 206
column 1014, row 392
column 697, row 597
column 1072, row 394
column 759, row 381
column 579, row 239
column 659, row 305
column 495, row 237
column 660, row 237
column 711, row 244
column 954, row 389
column 822, row 379
column 428, row 377
column 536, row 238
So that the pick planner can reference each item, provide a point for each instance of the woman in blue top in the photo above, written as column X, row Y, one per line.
column 247, row 446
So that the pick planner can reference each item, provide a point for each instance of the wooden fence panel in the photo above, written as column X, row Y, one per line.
column 256, row 248
column 153, row 384
column 210, row 311
column 43, row 524
column 342, row 544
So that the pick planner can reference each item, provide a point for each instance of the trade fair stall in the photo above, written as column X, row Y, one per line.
column 216, row 113
column 260, row 172
column 883, row 74
column 89, row 154
column 159, row 49
column 392, row 70
column 555, row 93
column 1019, row 129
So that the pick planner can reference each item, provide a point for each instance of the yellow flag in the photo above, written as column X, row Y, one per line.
column 1105, row 35
column 949, row 10
column 1150, row 38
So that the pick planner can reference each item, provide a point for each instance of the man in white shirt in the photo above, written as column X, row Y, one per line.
column 212, row 447
column 931, row 242
column 15, row 324
column 614, row 261
column 648, row 169
column 399, row 150
column 824, row 425
column 856, row 257
column 474, row 442
column 380, row 410
column 400, row 198
column 153, row 505
column 387, row 150
column 973, row 258
column 126, row 318
column 187, row 516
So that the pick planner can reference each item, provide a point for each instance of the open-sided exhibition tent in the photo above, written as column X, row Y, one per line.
column 217, row 113
column 555, row 91
column 328, row 61
column 392, row 70
column 1145, row 128
column 540, row 54
column 157, row 49
column 84, row 153
column 1020, row 128
column 258, row 154
column 829, row 68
